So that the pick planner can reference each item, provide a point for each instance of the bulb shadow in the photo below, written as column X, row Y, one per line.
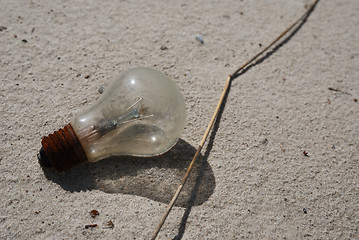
column 156, row 178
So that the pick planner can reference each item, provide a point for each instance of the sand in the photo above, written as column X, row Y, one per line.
column 253, row 180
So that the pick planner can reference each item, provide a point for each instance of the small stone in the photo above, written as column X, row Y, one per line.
column 39, row 230
column 305, row 211
column 199, row 38
column 24, row 41
column 163, row 48
column 101, row 89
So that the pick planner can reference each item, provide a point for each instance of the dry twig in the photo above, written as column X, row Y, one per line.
column 220, row 102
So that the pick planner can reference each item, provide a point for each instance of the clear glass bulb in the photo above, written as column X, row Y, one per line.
column 142, row 113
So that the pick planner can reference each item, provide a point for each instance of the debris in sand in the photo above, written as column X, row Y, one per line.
column 110, row 224
column 91, row 226
column 338, row 90
column 281, row 148
column 94, row 213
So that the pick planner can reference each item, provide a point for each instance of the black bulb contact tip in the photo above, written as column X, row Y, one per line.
column 43, row 159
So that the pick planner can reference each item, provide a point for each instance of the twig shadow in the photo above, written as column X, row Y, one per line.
column 155, row 178
column 195, row 192
column 278, row 46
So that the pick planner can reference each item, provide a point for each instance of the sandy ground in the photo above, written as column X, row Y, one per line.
column 253, row 180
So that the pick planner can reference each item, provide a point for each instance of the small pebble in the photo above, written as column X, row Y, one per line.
column 39, row 230
column 305, row 211
column 199, row 38
column 164, row 48
column 101, row 89
column 24, row 41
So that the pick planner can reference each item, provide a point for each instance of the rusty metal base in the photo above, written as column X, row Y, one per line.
column 61, row 150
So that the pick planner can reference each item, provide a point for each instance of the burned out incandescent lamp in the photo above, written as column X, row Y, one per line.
column 142, row 113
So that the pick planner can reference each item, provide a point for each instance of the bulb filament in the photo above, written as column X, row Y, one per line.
column 107, row 125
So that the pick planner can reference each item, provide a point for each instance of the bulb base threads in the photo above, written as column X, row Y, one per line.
column 61, row 150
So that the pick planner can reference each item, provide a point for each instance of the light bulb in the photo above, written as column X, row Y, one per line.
column 142, row 113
